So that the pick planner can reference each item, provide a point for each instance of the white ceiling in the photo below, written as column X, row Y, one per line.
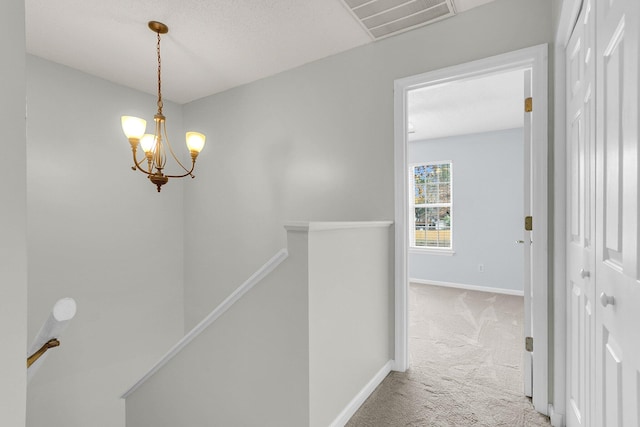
column 212, row 45
column 482, row 104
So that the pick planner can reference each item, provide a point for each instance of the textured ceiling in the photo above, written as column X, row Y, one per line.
column 212, row 45
column 477, row 105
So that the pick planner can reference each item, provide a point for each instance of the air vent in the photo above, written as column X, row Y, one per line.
column 383, row 18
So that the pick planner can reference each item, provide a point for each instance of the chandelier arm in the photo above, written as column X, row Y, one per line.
column 189, row 173
column 166, row 138
column 137, row 164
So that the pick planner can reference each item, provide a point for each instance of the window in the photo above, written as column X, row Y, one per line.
column 431, row 205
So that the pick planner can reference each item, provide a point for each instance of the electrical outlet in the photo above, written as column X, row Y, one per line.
column 481, row 268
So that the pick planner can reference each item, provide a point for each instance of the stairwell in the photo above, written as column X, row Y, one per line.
column 302, row 342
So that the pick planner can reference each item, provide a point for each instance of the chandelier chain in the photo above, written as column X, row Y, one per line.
column 159, row 77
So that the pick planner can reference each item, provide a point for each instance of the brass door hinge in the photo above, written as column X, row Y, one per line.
column 528, row 223
column 528, row 344
column 528, row 105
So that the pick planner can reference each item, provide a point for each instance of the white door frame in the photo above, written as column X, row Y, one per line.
column 568, row 17
column 535, row 58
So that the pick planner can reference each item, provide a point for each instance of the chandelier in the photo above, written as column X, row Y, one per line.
column 156, row 145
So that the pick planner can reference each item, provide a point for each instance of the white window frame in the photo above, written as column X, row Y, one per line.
column 412, row 207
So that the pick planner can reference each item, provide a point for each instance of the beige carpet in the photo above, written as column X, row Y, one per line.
column 466, row 357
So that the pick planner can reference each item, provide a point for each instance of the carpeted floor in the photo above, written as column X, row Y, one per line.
column 466, row 356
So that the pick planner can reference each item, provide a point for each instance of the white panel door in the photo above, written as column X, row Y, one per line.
column 580, row 287
column 617, row 338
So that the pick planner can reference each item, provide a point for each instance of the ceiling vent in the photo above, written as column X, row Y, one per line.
column 383, row 18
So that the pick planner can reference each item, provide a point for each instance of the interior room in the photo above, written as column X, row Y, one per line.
column 466, row 271
column 475, row 126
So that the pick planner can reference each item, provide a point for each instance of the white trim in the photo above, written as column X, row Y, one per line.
column 540, row 233
column 568, row 18
column 359, row 398
column 255, row 278
column 431, row 251
column 569, row 13
column 401, row 200
column 556, row 419
column 333, row 225
column 468, row 287
column 536, row 59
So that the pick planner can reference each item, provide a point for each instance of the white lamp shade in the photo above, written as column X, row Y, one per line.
column 133, row 127
column 148, row 142
column 195, row 141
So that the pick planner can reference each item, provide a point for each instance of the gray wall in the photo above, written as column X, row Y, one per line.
column 250, row 367
column 288, row 353
column 100, row 233
column 487, row 210
column 316, row 143
column 13, row 228
column 349, row 317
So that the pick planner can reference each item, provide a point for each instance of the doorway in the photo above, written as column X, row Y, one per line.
column 465, row 230
column 532, row 62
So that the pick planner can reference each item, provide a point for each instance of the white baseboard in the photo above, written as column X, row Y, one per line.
column 557, row 420
column 469, row 287
column 359, row 399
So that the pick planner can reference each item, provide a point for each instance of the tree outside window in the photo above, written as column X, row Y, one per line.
column 431, row 207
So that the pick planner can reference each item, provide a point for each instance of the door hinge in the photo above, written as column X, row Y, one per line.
column 528, row 344
column 528, row 105
column 528, row 223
